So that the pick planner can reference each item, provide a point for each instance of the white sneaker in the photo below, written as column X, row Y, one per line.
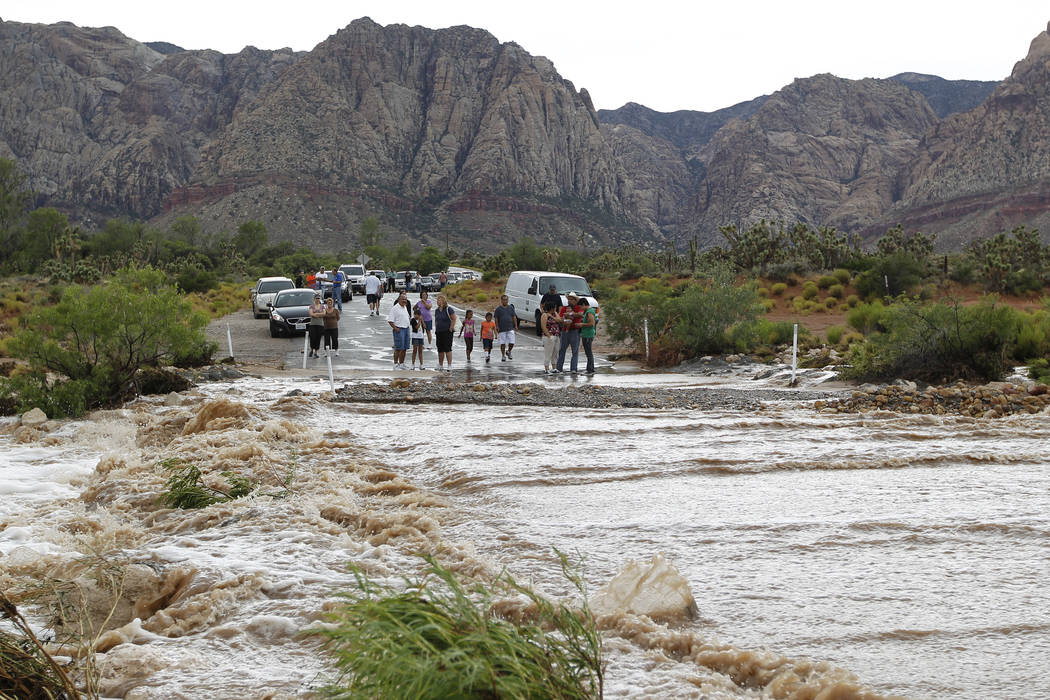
column 337, row 353
column 422, row 367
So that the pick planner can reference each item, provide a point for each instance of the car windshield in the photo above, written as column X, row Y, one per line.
column 564, row 285
column 296, row 298
column 275, row 286
column 352, row 269
column 401, row 275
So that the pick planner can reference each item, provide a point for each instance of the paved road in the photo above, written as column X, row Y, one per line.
column 365, row 344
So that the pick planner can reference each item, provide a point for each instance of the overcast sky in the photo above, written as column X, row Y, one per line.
column 667, row 55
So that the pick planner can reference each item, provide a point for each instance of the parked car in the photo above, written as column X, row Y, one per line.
column 429, row 283
column 290, row 311
column 399, row 281
column 525, row 288
column 454, row 277
column 355, row 280
column 263, row 291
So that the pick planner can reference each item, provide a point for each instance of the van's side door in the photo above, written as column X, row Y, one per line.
column 530, row 296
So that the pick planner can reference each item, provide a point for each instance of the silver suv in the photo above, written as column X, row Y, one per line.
column 263, row 292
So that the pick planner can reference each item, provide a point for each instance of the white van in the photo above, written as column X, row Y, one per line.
column 525, row 288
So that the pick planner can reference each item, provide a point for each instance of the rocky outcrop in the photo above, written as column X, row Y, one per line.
column 437, row 117
column 985, row 170
column 106, row 126
column 947, row 97
column 823, row 150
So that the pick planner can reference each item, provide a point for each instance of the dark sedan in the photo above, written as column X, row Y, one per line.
column 290, row 311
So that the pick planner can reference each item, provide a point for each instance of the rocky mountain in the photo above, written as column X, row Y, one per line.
column 450, row 136
column 988, row 169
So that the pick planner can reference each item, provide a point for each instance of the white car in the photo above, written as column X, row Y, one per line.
column 263, row 292
column 525, row 288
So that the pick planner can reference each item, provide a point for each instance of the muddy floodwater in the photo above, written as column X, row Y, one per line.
column 877, row 554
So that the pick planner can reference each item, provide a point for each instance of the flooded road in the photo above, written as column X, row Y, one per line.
column 876, row 554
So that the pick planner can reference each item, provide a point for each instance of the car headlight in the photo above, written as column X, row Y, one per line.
column 275, row 316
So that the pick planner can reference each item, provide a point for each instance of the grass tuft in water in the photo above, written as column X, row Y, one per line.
column 440, row 638
column 186, row 488
column 27, row 670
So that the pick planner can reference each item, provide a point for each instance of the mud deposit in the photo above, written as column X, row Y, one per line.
column 827, row 555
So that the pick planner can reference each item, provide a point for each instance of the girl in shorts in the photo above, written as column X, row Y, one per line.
column 417, row 330
column 466, row 332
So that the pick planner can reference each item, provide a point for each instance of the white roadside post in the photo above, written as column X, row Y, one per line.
column 229, row 339
column 306, row 347
column 794, row 354
column 331, row 377
column 646, row 326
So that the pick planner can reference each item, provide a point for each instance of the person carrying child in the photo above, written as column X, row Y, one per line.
column 417, row 331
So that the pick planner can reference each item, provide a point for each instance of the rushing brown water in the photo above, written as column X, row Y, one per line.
column 861, row 556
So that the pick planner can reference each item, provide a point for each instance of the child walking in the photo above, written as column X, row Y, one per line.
column 417, row 330
column 488, row 335
column 466, row 332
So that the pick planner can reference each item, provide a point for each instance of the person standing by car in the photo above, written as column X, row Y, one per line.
column 506, row 323
column 442, row 280
column 299, row 279
column 551, row 327
column 391, row 278
column 399, row 320
column 372, row 292
column 337, row 288
column 316, row 326
column 571, row 319
column 588, row 328
column 444, row 326
column 331, row 326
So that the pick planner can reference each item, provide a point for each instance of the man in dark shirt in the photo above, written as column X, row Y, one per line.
column 506, row 323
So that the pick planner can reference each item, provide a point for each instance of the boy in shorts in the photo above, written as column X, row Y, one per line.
column 488, row 335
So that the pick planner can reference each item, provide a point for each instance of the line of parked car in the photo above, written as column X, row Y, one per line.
column 287, row 307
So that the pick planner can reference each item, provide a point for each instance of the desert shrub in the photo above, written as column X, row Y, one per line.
column 837, row 291
column 901, row 271
column 937, row 342
column 763, row 292
column 759, row 334
column 831, row 303
column 224, row 299
column 799, row 304
column 842, row 276
column 1039, row 370
column 834, row 334
column 809, row 290
column 440, row 638
column 867, row 318
column 95, row 340
column 843, row 307
column 1023, row 281
column 490, row 275
column 768, row 305
column 826, row 281
column 962, row 269
column 787, row 270
column 481, row 297
column 778, row 288
column 852, row 300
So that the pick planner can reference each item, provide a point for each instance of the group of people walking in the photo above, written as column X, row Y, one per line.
column 564, row 329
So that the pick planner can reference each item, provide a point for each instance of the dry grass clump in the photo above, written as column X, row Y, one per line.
column 27, row 670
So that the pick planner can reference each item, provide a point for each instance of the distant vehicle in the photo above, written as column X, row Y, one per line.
column 525, row 288
column 399, row 281
column 454, row 277
column 429, row 283
column 290, row 311
column 355, row 280
column 263, row 291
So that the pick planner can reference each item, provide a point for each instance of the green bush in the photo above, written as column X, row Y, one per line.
column 852, row 300
column 901, row 270
column 490, row 275
column 834, row 334
column 837, row 291
column 826, row 281
column 763, row 292
column 937, row 343
column 809, row 290
column 831, row 303
column 95, row 340
column 843, row 276
column 867, row 318
column 439, row 638
column 778, row 288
